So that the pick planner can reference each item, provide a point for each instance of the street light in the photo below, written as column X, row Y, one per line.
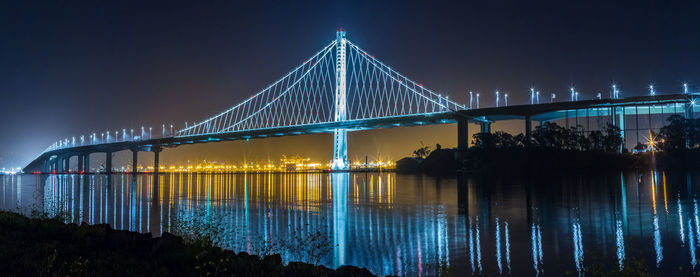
column 651, row 90
column 573, row 93
column 497, row 98
column 477, row 100
column 537, row 96
column 171, row 128
column 532, row 96
column 506, row 98
column 470, row 100
column 685, row 88
column 551, row 100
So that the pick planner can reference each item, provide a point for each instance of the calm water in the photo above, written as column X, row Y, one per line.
column 406, row 224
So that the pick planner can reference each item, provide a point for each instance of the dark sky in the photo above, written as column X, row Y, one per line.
column 70, row 67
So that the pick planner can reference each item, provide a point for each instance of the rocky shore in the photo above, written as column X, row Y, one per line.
column 48, row 247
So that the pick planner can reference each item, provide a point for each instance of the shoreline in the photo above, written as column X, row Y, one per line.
column 35, row 246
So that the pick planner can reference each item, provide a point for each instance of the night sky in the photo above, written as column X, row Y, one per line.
column 69, row 67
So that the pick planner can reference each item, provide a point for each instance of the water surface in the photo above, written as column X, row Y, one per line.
column 404, row 224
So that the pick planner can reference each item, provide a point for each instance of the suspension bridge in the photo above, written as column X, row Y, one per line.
column 339, row 89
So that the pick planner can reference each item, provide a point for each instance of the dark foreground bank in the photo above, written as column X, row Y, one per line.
column 48, row 247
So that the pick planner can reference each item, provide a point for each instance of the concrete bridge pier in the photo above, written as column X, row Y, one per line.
column 156, row 160
column 86, row 162
column 108, row 162
column 486, row 127
column 462, row 134
column 134, row 160
column 156, row 167
column 66, row 164
column 528, row 130
column 81, row 166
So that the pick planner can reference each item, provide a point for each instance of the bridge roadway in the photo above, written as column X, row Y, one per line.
column 58, row 160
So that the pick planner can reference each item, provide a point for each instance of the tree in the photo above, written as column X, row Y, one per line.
column 679, row 133
column 612, row 140
column 640, row 147
column 422, row 152
column 498, row 139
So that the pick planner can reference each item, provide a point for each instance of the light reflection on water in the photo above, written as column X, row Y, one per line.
column 404, row 224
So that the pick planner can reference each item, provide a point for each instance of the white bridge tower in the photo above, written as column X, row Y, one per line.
column 340, row 136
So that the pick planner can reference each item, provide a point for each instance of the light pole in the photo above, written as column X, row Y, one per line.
column 506, row 99
column 532, row 96
column 470, row 100
column 132, row 134
column 685, row 88
column 573, row 94
column 477, row 100
column 498, row 98
column 551, row 100
column 171, row 129
column 150, row 134
column 537, row 96
column 599, row 96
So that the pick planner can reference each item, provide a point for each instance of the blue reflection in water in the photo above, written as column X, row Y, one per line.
column 507, row 247
column 578, row 245
column 536, row 238
column 697, row 223
column 471, row 245
column 620, row 242
column 680, row 219
column 691, row 244
column 477, row 245
column 498, row 247
column 339, row 182
column 657, row 242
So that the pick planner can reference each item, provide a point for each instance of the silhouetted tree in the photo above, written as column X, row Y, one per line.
column 679, row 133
column 498, row 139
column 422, row 152
column 640, row 147
column 551, row 135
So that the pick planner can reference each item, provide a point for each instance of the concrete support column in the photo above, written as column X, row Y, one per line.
column 55, row 165
column 462, row 134
column 156, row 159
column 81, row 167
column 86, row 163
column 66, row 164
column 528, row 130
column 108, row 162
column 156, row 167
column 134, row 159
column 486, row 127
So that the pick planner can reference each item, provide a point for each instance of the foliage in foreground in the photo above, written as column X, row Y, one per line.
column 47, row 246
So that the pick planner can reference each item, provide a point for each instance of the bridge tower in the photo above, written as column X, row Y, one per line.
column 340, row 135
